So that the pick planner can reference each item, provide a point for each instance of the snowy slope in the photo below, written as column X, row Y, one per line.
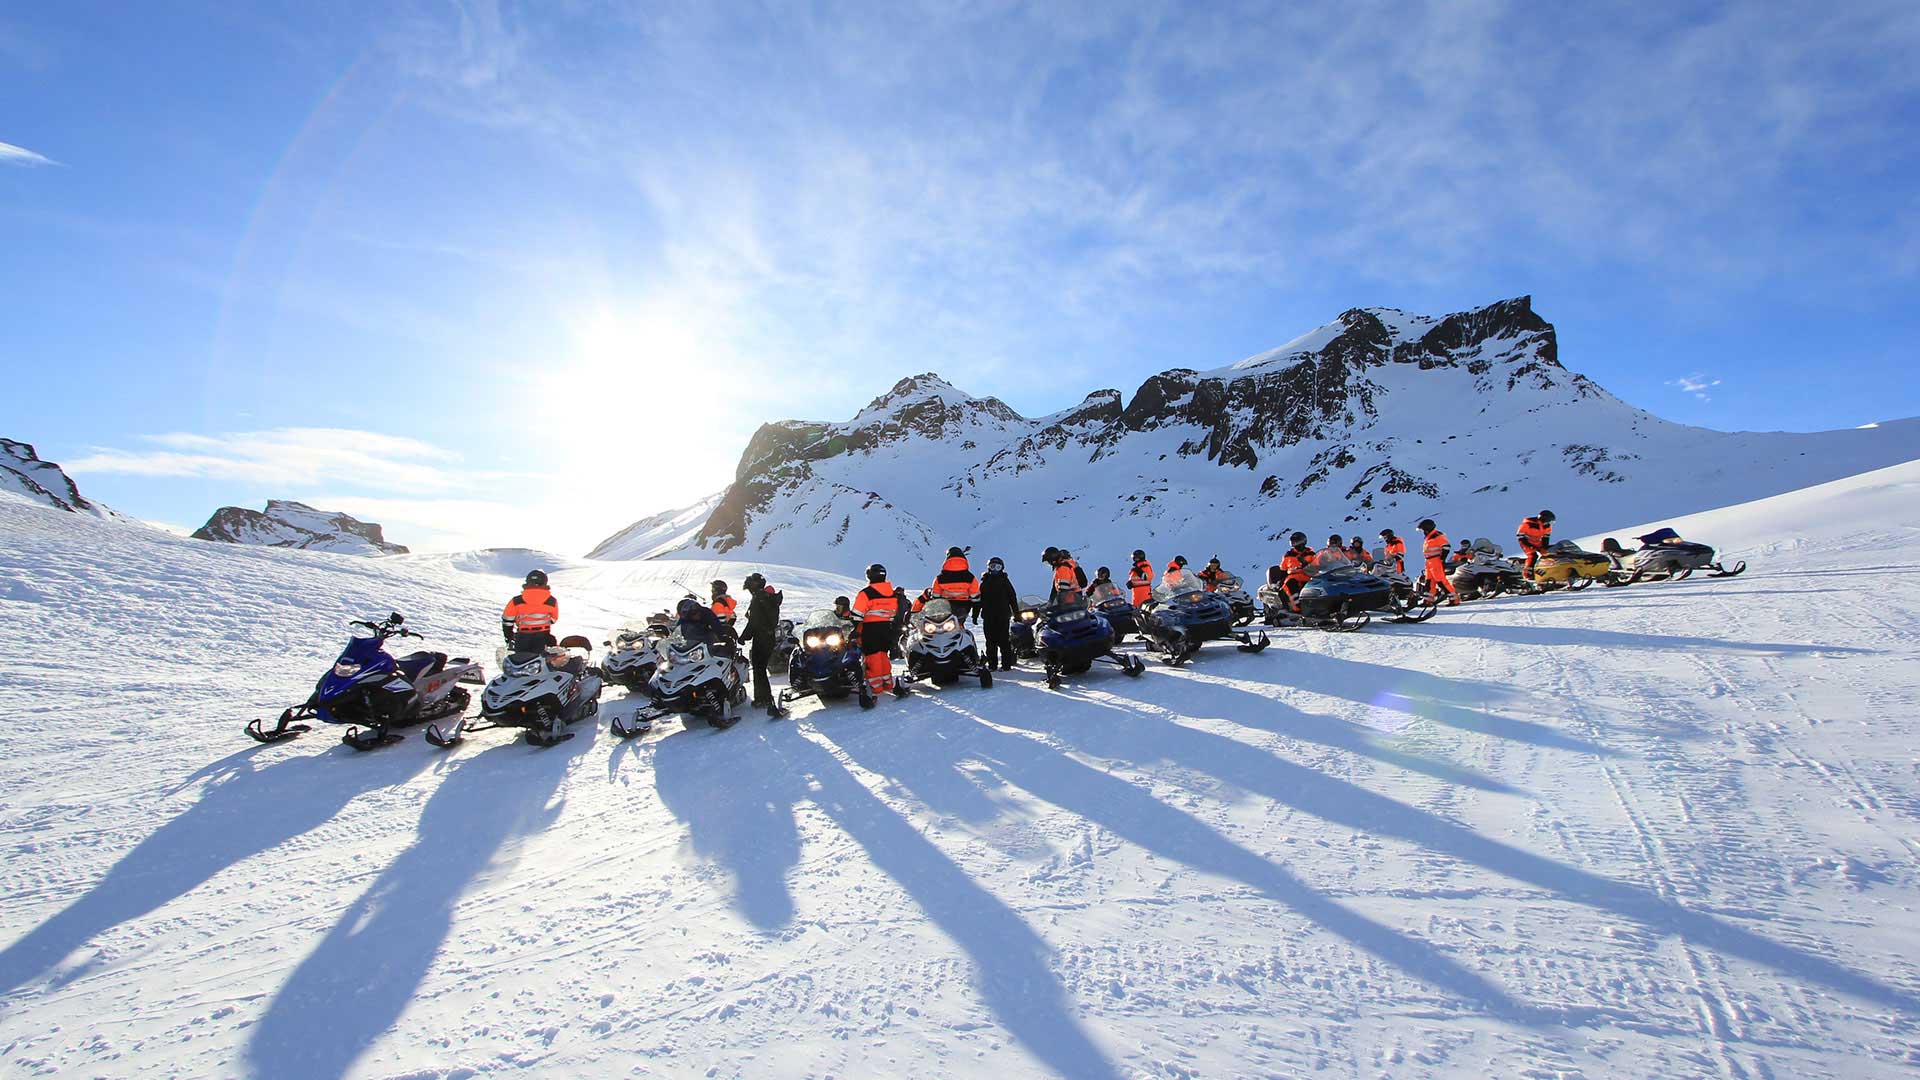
column 657, row 535
column 1377, row 419
column 23, row 473
column 289, row 524
column 1671, row 830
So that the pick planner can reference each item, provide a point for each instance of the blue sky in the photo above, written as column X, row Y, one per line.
column 518, row 274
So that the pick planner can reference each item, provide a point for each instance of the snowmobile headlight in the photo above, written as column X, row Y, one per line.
column 832, row 640
column 1029, row 616
column 346, row 669
column 950, row 624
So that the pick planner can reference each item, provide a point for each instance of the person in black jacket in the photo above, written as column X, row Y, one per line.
column 763, row 618
column 998, row 602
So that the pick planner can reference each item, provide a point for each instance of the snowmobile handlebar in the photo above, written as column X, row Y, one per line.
column 390, row 628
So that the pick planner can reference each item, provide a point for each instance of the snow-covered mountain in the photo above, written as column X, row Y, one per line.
column 23, row 473
column 1375, row 420
column 657, row 535
column 288, row 524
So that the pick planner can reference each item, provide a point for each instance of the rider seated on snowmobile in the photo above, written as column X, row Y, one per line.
column 1358, row 554
column 698, row 625
column 725, row 608
column 956, row 584
column 1462, row 555
column 1066, row 572
column 1393, row 552
column 1296, row 567
column 1211, row 574
column 1175, row 572
column 1334, row 554
column 528, row 619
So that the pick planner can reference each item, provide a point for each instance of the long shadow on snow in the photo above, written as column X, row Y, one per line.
column 357, row 981
column 1586, row 637
column 737, row 800
column 1146, row 822
column 1126, row 734
column 1009, row 958
column 1457, row 703
column 245, row 810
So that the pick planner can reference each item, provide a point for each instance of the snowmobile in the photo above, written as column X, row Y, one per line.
column 1341, row 599
column 1234, row 591
column 697, row 678
column 1025, row 622
column 784, row 642
column 1409, row 600
column 1182, row 616
column 1489, row 573
column 632, row 654
column 1114, row 606
column 366, row 683
column 1565, row 565
column 942, row 650
column 541, row 689
column 1664, row 556
column 1074, row 637
column 826, row 663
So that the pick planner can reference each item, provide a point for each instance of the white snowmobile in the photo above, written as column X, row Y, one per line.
column 697, row 678
column 633, row 652
column 538, row 690
column 785, row 640
column 942, row 650
column 1489, row 573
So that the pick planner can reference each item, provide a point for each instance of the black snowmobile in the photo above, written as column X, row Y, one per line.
column 1663, row 556
column 1114, row 605
column 1341, row 599
column 826, row 664
column 1182, row 616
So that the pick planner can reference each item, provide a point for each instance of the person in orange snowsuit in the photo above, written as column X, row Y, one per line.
column 1140, row 579
column 1393, row 552
column 956, row 584
column 527, row 620
column 1359, row 555
column 1534, row 534
column 1435, row 549
column 1296, row 567
column 1066, row 572
column 877, row 607
column 1176, row 570
column 1211, row 574
column 725, row 608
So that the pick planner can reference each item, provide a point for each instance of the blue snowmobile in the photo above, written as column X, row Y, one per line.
column 1111, row 601
column 1025, row 622
column 1182, row 616
column 1074, row 637
column 367, row 685
column 826, row 664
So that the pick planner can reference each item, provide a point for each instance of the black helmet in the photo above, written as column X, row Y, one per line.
column 1546, row 515
column 1179, row 560
column 955, row 553
column 687, row 607
column 996, row 563
column 1427, row 525
column 1101, row 573
column 1356, row 542
column 754, row 582
column 1215, row 561
column 1337, row 540
column 841, row 601
column 1138, row 554
column 536, row 577
column 1386, row 534
column 876, row 572
column 1051, row 555
column 1297, row 539
column 719, row 586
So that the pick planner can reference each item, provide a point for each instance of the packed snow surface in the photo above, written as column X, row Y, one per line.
column 1670, row 830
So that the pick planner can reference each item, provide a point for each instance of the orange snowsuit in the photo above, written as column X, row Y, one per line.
column 1534, row 536
column 1141, row 582
column 533, row 611
column 1435, row 550
column 876, row 606
column 1297, row 565
column 724, row 608
column 1394, row 554
column 1067, row 575
column 957, row 586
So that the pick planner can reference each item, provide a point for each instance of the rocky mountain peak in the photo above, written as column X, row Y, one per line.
column 24, row 473
column 289, row 524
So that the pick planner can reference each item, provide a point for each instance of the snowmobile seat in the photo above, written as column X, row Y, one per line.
column 420, row 664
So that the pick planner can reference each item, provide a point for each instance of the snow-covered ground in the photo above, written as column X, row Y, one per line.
column 1671, row 830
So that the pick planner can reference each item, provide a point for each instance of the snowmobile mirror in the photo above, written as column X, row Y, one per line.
column 396, row 618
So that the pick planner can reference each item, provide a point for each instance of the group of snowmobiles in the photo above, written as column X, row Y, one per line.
column 545, row 686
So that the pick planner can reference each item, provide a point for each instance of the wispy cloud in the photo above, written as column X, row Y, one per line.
column 20, row 155
column 1695, row 384
column 285, row 458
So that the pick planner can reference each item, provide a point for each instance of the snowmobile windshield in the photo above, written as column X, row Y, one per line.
column 825, row 619
column 826, row 630
column 1658, row 536
column 1102, row 591
column 1226, row 582
column 360, row 631
column 937, row 611
column 629, row 636
column 1173, row 588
